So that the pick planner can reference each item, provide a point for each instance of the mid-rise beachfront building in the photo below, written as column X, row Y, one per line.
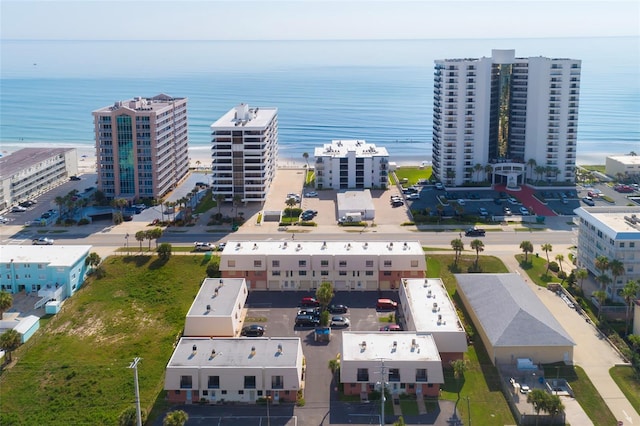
column 244, row 153
column 141, row 147
column 427, row 308
column 622, row 166
column 305, row 265
column 345, row 164
column 217, row 308
column 613, row 232
column 505, row 119
column 235, row 370
column 29, row 172
column 406, row 362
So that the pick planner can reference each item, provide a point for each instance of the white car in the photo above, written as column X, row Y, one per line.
column 18, row 209
column 42, row 241
column 513, row 201
column 525, row 389
column 524, row 211
column 339, row 322
column 439, row 186
column 461, row 202
column 414, row 196
column 311, row 194
column 198, row 246
column 483, row 212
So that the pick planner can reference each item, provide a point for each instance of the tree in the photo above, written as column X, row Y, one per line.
column 602, row 263
column 6, row 300
column 477, row 169
column 603, row 279
column 527, row 248
column 9, row 342
column 175, row 418
column 399, row 422
column 478, row 246
column 554, row 406
column 616, row 268
column 538, row 398
column 92, row 260
column 60, row 202
column 334, row 365
column 305, row 155
column 560, row 259
column 629, row 293
column 291, row 202
column 488, row 169
column 459, row 367
column 140, row 236
column 213, row 267
column 219, row 201
column 547, row 248
column 164, row 251
column 156, row 234
column 457, row 245
column 119, row 203
column 539, row 171
column 582, row 274
column 148, row 235
column 129, row 417
column 601, row 296
column 237, row 201
column 532, row 164
column 324, row 294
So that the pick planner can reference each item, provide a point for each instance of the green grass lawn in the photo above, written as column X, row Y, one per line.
column 442, row 266
column 597, row 168
column 413, row 174
column 409, row 407
column 586, row 394
column 206, row 203
column 74, row 370
column 628, row 383
column 536, row 268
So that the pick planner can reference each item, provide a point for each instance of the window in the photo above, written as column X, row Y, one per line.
column 324, row 263
column 257, row 263
column 223, row 392
column 368, row 273
column 387, row 263
column 621, row 245
column 421, row 374
column 214, row 382
column 343, row 263
column 302, row 263
column 394, row 374
column 387, row 273
column 277, row 382
column 231, row 263
column 186, row 382
column 240, row 392
column 342, row 273
column 324, row 273
column 302, row 273
column 275, row 263
column 363, row 375
column 205, row 393
column 369, row 264
column 414, row 263
column 276, row 273
column 632, row 245
column 249, row 382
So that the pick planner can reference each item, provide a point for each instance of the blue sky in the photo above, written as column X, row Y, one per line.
column 314, row 19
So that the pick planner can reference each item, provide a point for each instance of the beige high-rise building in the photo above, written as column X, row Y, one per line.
column 141, row 146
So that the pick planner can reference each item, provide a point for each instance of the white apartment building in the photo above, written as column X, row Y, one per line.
column 613, row 232
column 236, row 370
column 217, row 308
column 305, row 265
column 517, row 115
column 427, row 308
column 29, row 172
column 346, row 164
column 244, row 153
column 141, row 147
column 624, row 165
column 406, row 362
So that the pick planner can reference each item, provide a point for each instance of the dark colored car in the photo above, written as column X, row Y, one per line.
column 307, row 321
column 314, row 312
column 74, row 178
column 474, row 232
column 253, row 330
column 309, row 301
column 338, row 309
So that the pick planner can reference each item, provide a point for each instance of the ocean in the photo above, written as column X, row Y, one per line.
column 379, row 91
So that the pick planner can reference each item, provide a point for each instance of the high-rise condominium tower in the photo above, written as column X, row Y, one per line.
column 505, row 119
column 141, row 147
column 244, row 152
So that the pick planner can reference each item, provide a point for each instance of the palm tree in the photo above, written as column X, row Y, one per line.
column 459, row 367
column 60, row 201
column 602, row 263
column 601, row 296
column 6, row 300
column 92, row 260
column 488, row 169
column 630, row 292
column 9, row 342
column 532, row 164
column 617, row 268
column 538, row 398
column 148, row 235
column 334, row 365
column 198, row 164
column 219, row 201
column 140, row 236
column 305, row 155
column 603, row 279
column 478, row 246
column 156, row 233
column 237, row 201
column 539, row 171
column 175, row 418
column 477, row 168
column 582, row 274
column 527, row 247
column 560, row 259
column 291, row 202
column 457, row 246
column 554, row 406
column 324, row 294
column 440, row 209
column 547, row 248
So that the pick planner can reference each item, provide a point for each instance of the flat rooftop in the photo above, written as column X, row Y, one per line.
column 259, row 118
column 626, row 159
column 237, row 352
column 332, row 248
column 355, row 201
column 217, row 294
column 409, row 346
column 430, row 305
column 615, row 220
column 340, row 148
column 140, row 104
column 24, row 158
column 53, row 255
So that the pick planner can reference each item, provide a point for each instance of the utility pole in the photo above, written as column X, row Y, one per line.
column 383, row 387
column 134, row 365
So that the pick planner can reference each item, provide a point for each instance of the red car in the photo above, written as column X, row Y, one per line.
column 391, row 327
column 309, row 301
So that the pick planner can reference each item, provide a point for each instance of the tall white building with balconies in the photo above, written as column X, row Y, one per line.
column 505, row 119
column 244, row 153
column 345, row 164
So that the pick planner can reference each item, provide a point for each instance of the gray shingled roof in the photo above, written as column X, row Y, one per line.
column 510, row 312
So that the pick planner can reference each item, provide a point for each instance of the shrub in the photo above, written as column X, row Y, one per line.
column 83, row 221
column 554, row 267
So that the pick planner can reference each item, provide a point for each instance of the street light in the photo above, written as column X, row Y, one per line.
column 134, row 366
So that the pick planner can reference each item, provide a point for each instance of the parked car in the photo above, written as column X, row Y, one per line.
column 525, row 389
column 311, row 194
column 199, row 246
column 42, row 241
column 483, row 212
column 314, row 312
column 309, row 301
column 391, row 327
column 507, row 211
column 397, row 203
column 588, row 201
column 512, row 200
column 386, row 305
column 75, row 178
column 414, row 196
column 252, row 330
column 461, row 202
column 18, row 209
column 474, row 232
column 307, row 321
column 339, row 322
column 338, row 309
column 439, row 186
column 524, row 211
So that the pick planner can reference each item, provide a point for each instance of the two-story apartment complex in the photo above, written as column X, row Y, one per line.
column 305, row 265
